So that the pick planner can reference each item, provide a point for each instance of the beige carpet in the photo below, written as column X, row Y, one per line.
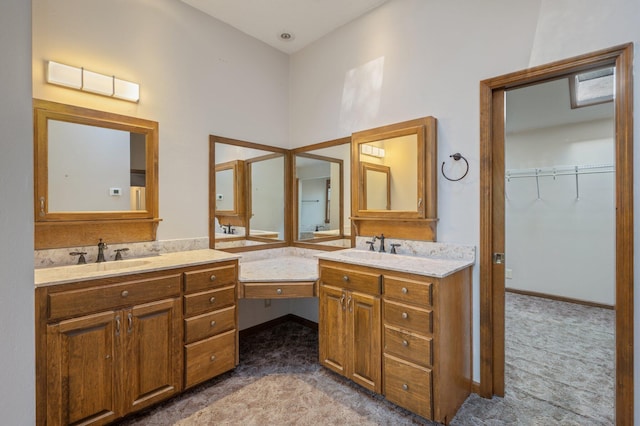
column 277, row 400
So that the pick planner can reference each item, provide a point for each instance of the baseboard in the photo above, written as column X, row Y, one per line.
column 559, row 298
column 277, row 321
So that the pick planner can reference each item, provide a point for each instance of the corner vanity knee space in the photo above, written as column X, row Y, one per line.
column 399, row 326
column 114, row 338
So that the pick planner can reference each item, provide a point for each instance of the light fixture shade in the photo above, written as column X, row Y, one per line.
column 126, row 90
column 97, row 83
column 64, row 75
column 366, row 149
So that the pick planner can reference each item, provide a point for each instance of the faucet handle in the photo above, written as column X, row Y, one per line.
column 370, row 245
column 119, row 253
column 393, row 247
column 81, row 260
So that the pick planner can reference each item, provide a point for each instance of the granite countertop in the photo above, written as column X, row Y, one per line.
column 427, row 266
column 71, row 273
column 279, row 269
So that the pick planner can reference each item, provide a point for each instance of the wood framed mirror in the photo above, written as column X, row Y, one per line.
column 321, row 195
column 394, row 183
column 95, row 176
column 258, row 177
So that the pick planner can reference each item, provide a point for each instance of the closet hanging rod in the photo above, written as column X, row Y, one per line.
column 559, row 171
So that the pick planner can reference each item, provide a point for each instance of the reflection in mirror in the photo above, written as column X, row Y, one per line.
column 116, row 156
column 95, row 176
column 376, row 186
column 396, row 179
column 320, row 195
column 253, row 176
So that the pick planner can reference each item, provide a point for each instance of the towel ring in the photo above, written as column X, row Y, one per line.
column 457, row 156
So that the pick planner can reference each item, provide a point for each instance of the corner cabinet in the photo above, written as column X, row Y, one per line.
column 413, row 342
column 111, row 346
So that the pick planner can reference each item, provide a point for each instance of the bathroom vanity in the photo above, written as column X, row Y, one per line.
column 399, row 326
column 116, row 337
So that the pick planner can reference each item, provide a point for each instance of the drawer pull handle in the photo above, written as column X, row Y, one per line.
column 345, row 278
column 213, row 323
column 124, row 293
column 279, row 291
column 213, row 299
column 405, row 387
column 212, row 358
column 405, row 315
column 404, row 290
column 405, row 343
column 212, row 278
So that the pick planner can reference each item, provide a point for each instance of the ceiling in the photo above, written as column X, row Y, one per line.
column 305, row 20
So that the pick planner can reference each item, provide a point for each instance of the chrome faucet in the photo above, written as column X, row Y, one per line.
column 101, row 246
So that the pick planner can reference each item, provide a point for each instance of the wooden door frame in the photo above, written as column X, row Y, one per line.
column 492, row 217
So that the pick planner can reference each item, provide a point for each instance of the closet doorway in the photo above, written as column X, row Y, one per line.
column 492, row 220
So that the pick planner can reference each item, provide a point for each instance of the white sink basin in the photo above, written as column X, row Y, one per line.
column 366, row 255
column 110, row 266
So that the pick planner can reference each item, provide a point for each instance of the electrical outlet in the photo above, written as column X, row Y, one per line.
column 508, row 273
column 267, row 303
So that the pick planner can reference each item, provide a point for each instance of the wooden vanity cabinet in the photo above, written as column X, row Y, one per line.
column 349, row 325
column 111, row 346
column 424, row 324
column 427, row 342
column 211, row 322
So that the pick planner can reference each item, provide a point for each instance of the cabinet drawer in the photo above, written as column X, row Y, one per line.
column 405, row 290
column 209, row 324
column 208, row 358
column 111, row 296
column 278, row 290
column 209, row 278
column 408, row 386
column 410, row 346
column 351, row 280
column 408, row 317
column 199, row 303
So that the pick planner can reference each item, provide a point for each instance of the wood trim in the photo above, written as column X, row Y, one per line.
column 558, row 298
column 366, row 167
column 491, row 328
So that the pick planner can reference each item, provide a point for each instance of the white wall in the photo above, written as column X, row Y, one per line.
column 17, row 356
column 411, row 58
column 558, row 244
column 197, row 77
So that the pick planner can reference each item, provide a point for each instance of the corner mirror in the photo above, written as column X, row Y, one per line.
column 321, row 195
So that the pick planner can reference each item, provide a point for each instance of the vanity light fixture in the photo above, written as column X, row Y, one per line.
column 371, row 150
column 89, row 81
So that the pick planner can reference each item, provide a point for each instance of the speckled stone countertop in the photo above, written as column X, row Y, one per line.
column 66, row 274
column 437, row 267
column 279, row 269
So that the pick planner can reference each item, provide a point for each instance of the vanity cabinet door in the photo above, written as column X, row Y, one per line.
column 153, row 352
column 332, row 328
column 363, row 334
column 83, row 359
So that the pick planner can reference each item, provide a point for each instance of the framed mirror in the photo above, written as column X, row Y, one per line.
column 321, row 194
column 230, row 183
column 95, row 176
column 255, row 178
column 376, row 186
column 394, row 180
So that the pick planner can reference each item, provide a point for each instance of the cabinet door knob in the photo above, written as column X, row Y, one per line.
column 279, row 291
column 405, row 343
column 213, row 323
column 405, row 387
column 212, row 358
column 405, row 315
column 213, row 299
column 212, row 278
column 345, row 278
column 124, row 293
column 404, row 290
